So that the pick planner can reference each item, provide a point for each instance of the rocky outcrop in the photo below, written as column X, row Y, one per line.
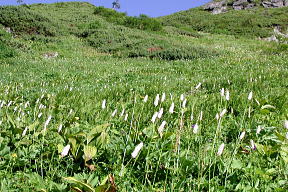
column 243, row 4
column 275, row 3
column 216, row 7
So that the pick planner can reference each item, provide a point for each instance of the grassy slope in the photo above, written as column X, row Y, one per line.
column 250, row 23
column 244, row 65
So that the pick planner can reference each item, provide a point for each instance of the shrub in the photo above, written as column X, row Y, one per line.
column 23, row 21
column 143, row 22
column 5, row 50
column 124, row 42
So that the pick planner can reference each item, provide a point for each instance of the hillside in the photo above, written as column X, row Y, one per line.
column 251, row 23
column 92, row 100
column 104, row 29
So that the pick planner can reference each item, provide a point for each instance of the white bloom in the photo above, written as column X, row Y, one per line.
column 60, row 128
column 227, row 96
column 47, row 122
column 222, row 92
column 201, row 116
column 126, row 117
column 154, row 117
column 242, row 135
column 70, row 112
column 285, row 124
column 198, row 86
column 184, row 103
column 217, row 116
column 156, row 101
column 182, row 97
column 104, row 104
column 160, row 113
column 195, row 128
column 114, row 113
column 250, row 95
column 171, row 109
column 25, row 131
column 161, row 128
column 39, row 115
column 163, row 97
column 145, row 99
column 223, row 112
column 122, row 113
column 10, row 103
column 65, row 150
column 220, row 149
column 191, row 117
column 137, row 150
column 258, row 130
column 253, row 146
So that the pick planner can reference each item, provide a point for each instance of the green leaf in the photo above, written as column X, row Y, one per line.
column 89, row 152
column 87, row 187
column 236, row 164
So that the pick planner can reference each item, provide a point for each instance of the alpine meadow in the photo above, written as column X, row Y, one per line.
column 94, row 100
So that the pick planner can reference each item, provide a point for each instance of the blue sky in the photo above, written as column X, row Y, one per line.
column 153, row 8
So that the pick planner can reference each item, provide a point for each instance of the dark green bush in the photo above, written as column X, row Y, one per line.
column 110, row 15
column 143, row 22
column 23, row 21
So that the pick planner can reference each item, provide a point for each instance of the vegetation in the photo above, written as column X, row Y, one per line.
column 100, row 116
column 22, row 20
column 143, row 22
column 249, row 23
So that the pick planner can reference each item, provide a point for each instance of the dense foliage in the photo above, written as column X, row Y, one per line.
column 124, row 42
column 143, row 22
column 21, row 20
column 5, row 49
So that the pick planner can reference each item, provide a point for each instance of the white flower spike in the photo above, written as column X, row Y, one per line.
column 285, row 124
column 65, row 150
column 195, row 128
column 145, row 99
column 156, row 101
column 137, row 150
column 161, row 128
column 220, row 149
column 160, row 113
column 242, row 135
column 250, row 95
column 227, row 96
column 222, row 92
column 103, row 104
column 171, row 109
column 154, row 117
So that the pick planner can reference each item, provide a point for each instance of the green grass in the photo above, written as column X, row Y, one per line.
column 249, row 23
column 71, row 89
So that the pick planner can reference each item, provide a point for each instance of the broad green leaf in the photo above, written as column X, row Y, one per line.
column 89, row 152
column 236, row 164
